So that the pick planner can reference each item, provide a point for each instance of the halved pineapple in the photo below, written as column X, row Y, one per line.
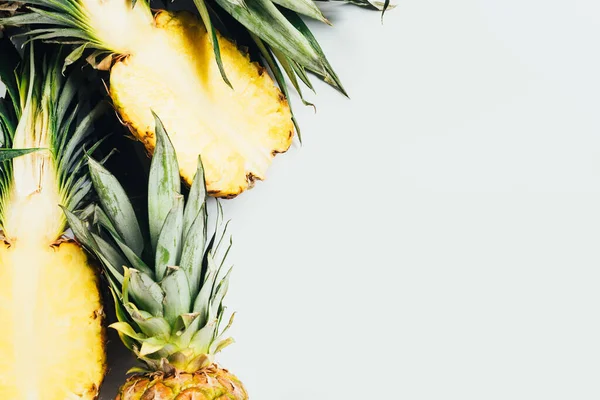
column 238, row 131
column 51, row 336
column 181, row 68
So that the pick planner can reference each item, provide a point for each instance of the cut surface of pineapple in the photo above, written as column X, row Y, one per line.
column 51, row 341
column 52, row 338
column 238, row 131
column 172, row 64
column 51, row 314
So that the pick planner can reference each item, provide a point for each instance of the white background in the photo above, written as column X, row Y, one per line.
column 437, row 236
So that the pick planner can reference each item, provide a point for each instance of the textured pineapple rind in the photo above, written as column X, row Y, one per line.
column 212, row 383
column 278, row 138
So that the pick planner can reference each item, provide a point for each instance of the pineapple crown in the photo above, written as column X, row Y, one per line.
column 168, row 284
column 48, row 113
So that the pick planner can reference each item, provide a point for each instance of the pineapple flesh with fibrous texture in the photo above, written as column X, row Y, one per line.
column 165, row 63
column 211, row 97
column 52, row 339
column 238, row 131
column 168, row 281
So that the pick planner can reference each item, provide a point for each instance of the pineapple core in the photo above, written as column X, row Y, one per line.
column 51, row 339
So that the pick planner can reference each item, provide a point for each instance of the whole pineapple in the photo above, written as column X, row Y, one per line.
column 52, row 339
column 168, row 281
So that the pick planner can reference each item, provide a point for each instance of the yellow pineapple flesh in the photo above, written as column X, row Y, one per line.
column 52, row 340
column 52, row 337
column 51, row 315
column 169, row 67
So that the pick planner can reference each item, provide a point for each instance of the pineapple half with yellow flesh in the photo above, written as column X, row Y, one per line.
column 168, row 283
column 238, row 131
column 52, row 339
column 165, row 63
column 211, row 97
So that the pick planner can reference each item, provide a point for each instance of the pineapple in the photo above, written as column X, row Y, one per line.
column 168, row 281
column 211, row 97
column 52, row 338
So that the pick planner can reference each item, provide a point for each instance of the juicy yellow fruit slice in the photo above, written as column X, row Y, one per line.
column 52, row 340
column 174, row 73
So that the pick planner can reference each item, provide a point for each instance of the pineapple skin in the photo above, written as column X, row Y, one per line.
column 52, row 339
column 211, row 383
column 238, row 132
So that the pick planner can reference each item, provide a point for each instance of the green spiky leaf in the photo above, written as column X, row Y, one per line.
column 165, row 184
column 170, row 241
column 117, row 206
column 177, row 294
column 9, row 154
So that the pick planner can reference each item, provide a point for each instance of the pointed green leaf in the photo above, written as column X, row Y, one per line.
column 9, row 154
column 170, row 241
column 135, row 312
column 196, row 198
column 328, row 74
column 126, row 329
column 291, row 73
column 146, row 293
column 122, row 316
column 154, row 327
column 151, row 345
column 101, row 218
column 219, row 293
column 301, row 72
column 204, row 337
column 112, row 255
column 229, row 324
column 202, row 301
column 183, row 321
column 184, row 339
column 164, row 182
column 74, row 56
column 304, row 7
column 221, row 345
column 34, row 18
column 193, row 250
column 262, row 18
column 177, row 294
column 135, row 261
column 68, row 157
column 80, row 230
column 128, row 342
column 138, row 370
column 117, row 206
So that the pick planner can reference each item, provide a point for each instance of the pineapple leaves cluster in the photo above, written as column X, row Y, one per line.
column 46, row 104
column 167, row 278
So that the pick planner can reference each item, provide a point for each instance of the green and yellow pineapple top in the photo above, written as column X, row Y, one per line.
column 167, row 279
column 52, row 338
